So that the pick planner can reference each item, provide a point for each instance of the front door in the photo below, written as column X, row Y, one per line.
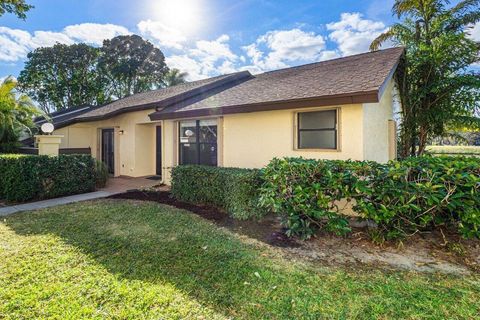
column 108, row 149
column 159, row 151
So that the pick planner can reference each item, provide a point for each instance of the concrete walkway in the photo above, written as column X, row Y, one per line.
column 114, row 186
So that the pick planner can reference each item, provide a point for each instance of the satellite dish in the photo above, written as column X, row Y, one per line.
column 47, row 128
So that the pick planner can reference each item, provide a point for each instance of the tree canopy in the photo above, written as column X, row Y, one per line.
column 131, row 65
column 437, row 87
column 65, row 76
column 17, row 7
column 174, row 77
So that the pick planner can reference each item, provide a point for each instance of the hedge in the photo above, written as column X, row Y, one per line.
column 231, row 189
column 32, row 177
column 402, row 197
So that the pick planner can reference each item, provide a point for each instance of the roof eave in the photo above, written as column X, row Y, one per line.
column 344, row 99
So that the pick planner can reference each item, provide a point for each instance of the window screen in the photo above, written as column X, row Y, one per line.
column 317, row 130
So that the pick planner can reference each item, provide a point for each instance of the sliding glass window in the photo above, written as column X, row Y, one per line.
column 198, row 142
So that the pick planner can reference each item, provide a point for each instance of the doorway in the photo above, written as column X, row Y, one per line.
column 108, row 150
column 158, row 151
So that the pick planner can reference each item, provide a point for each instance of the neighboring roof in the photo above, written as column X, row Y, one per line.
column 353, row 79
column 63, row 115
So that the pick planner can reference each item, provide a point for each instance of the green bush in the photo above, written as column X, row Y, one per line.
column 305, row 193
column 402, row 197
column 24, row 178
column 418, row 194
column 101, row 174
column 231, row 189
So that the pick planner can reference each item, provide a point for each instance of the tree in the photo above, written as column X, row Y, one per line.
column 174, row 77
column 63, row 76
column 132, row 65
column 437, row 88
column 17, row 7
column 16, row 115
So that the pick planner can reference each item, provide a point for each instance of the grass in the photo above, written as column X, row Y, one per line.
column 455, row 150
column 127, row 260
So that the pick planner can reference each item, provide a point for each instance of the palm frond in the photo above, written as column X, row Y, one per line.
column 402, row 7
column 382, row 38
column 397, row 33
column 418, row 8
column 464, row 6
column 464, row 21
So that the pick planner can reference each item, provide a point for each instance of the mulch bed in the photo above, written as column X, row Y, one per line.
column 267, row 229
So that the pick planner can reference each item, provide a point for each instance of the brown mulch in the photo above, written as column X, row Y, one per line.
column 267, row 229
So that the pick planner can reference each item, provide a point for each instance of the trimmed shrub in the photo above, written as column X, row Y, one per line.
column 402, row 197
column 31, row 177
column 231, row 189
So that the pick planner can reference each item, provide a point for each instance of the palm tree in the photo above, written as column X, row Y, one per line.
column 437, row 88
column 174, row 77
column 16, row 114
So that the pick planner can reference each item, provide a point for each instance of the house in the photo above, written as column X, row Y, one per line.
column 336, row 109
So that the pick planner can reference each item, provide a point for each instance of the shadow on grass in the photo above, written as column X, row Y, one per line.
column 154, row 243
column 159, row 244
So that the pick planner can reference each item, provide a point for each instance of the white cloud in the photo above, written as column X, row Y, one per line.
column 165, row 36
column 206, row 58
column 186, row 64
column 353, row 34
column 94, row 33
column 286, row 47
column 474, row 32
column 13, row 44
column 48, row 39
column 16, row 43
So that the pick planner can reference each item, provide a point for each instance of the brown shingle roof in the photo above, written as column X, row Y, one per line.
column 352, row 79
column 151, row 99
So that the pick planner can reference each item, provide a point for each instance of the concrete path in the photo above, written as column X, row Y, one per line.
column 114, row 186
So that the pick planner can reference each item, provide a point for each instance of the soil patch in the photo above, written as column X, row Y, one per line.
column 439, row 251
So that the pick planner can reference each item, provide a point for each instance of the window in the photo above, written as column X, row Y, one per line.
column 317, row 130
column 198, row 142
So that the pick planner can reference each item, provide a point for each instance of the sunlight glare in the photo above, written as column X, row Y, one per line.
column 182, row 15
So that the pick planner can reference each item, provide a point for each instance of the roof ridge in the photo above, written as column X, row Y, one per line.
column 190, row 83
column 330, row 60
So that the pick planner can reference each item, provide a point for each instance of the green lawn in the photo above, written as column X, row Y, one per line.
column 127, row 260
column 455, row 150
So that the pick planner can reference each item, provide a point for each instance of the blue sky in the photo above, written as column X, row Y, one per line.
column 204, row 37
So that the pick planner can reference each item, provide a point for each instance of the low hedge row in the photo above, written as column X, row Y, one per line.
column 231, row 189
column 402, row 197
column 32, row 177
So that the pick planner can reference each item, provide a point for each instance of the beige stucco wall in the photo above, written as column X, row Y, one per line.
column 376, row 118
column 251, row 140
column 248, row 140
column 134, row 149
